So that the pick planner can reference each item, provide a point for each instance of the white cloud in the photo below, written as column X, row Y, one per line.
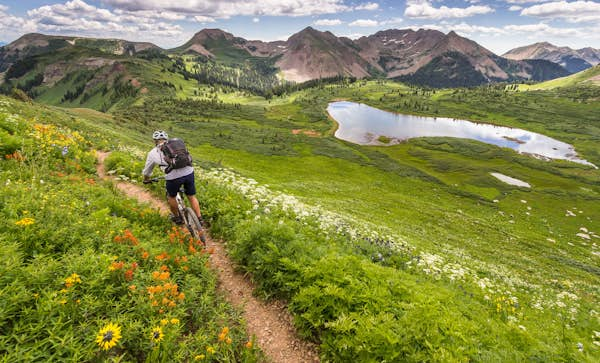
column 355, row 35
column 80, row 18
column 575, row 12
column 537, row 30
column 255, row 20
column 467, row 29
column 328, row 22
column 367, row 6
column 12, row 26
column 60, row 14
column 364, row 23
column 422, row 9
column 392, row 21
column 204, row 19
column 151, row 14
column 545, row 30
column 526, row 1
column 515, row 8
column 229, row 8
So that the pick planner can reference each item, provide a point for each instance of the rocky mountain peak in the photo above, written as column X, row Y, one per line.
column 214, row 34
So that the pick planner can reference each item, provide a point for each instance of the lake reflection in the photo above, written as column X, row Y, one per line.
column 362, row 124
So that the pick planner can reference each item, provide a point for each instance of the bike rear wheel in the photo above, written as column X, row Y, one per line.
column 194, row 225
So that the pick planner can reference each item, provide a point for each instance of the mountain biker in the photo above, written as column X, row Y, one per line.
column 174, row 178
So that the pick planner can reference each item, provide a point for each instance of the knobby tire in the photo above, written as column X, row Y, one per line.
column 193, row 224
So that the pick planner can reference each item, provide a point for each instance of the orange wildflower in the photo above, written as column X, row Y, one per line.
column 162, row 256
column 116, row 265
column 129, row 275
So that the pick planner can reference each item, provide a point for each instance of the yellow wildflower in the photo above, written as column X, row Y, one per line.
column 164, row 322
column 72, row 280
column 174, row 321
column 199, row 357
column 157, row 334
column 108, row 336
column 25, row 221
column 210, row 350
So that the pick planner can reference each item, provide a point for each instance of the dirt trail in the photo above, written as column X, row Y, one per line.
column 270, row 322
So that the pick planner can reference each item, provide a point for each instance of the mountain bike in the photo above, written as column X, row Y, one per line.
column 187, row 214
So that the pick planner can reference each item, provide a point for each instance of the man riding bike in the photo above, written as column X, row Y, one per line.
column 175, row 178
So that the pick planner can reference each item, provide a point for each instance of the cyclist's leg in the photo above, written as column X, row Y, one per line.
column 173, row 205
column 172, row 190
column 190, row 190
column 195, row 205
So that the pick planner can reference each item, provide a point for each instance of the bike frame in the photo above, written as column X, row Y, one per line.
column 190, row 220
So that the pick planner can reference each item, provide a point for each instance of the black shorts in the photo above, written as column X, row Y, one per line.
column 189, row 185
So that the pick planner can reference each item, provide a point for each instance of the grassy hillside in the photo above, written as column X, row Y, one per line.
column 84, row 77
column 90, row 78
column 87, row 275
column 412, row 252
column 450, row 222
column 589, row 77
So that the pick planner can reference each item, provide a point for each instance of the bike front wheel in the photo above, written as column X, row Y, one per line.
column 194, row 225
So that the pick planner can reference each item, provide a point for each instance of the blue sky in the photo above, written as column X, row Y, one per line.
column 498, row 25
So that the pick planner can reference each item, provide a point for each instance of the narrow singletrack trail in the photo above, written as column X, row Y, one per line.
column 269, row 322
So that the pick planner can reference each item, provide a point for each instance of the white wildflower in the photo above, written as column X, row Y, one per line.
column 584, row 236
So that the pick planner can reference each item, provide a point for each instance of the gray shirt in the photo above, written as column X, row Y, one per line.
column 155, row 157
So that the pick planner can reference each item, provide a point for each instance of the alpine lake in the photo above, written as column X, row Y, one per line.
column 366, row 125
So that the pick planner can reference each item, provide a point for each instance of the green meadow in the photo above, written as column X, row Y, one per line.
column 408, row 252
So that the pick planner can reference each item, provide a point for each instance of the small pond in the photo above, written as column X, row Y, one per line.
column 365, row 125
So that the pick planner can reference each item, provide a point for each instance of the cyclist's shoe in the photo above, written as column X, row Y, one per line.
column 177, row 220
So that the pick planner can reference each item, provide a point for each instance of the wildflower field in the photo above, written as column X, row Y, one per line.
column 87, row 275
column 410, row 253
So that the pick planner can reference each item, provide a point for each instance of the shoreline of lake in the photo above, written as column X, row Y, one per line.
column 365, row 125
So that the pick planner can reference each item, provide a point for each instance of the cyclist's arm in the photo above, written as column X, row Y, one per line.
column 149, row 166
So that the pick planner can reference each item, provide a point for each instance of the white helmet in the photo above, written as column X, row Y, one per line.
column 160, row 134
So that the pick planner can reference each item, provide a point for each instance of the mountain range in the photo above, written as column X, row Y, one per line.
column 573, row 60
column 451, row 60
column 78, row 67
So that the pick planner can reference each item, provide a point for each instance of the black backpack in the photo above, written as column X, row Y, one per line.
column 176, row 154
